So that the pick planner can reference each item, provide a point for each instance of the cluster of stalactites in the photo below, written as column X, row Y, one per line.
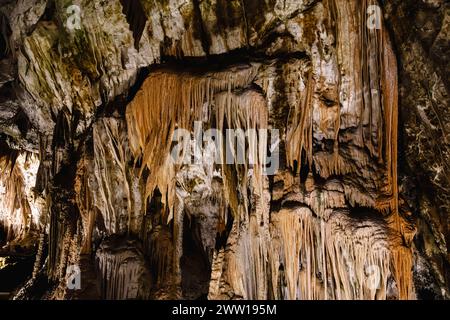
column 336, row 259
column 107, row 185
column 368, row 87
column 307, row 258
column 169, row 100
column 368, row 97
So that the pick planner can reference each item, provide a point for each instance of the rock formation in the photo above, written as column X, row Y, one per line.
column 336, row 113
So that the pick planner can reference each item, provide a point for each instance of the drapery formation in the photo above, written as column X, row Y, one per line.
column 19, row 209
column 330, row 223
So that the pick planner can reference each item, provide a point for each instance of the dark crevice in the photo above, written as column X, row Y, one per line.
column 16, row 272
column 200, row 27
column 222, row 237
column 194, row 65
column 222, row 61
column 136, row 18
column 195, row 267
column 5, row 33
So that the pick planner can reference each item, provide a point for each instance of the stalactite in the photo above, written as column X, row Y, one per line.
column 245, row 111
column 368, row 85
column 16, row 212
column 44, row 172
column 248, row 249
column 84, row 198
column 176, row 100
column 299, row 136
column 246, row 259
column 374, row 78
column 61, row 141
column 328, row 259
column 136, row 18
column 116, row 191
column 240, row 271
column 19, row 209
column 390, row 106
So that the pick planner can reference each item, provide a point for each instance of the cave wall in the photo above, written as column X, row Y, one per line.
column 420, row 31
column 358, row 208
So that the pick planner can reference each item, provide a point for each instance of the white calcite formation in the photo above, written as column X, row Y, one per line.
column 20, row 209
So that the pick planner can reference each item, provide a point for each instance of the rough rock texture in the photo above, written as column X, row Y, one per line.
column 95, row 91
column 123, row 270
column 20, row 216
column 421, row 30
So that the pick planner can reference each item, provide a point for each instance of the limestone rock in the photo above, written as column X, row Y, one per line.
column 347, row 99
